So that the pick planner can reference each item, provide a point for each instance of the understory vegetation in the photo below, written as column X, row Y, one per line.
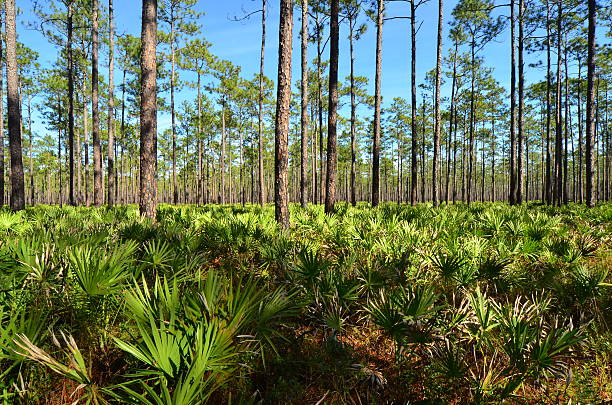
column 457, row 304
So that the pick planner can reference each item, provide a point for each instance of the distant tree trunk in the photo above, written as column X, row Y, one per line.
column 377, row 102
column 148, row 111
column 548, row 109
column 352, row 22
column 222, row 155
column 97, row 149
column 283, row 112
column 86, row 144
column 436, row 140
column 321, row 189
column 450, row 127
column 590, row 114
column 110, row 199
column 31, row 134
column 2, row 185
column 14, row 111
column 262, row 186
column 521, row 108
column 124, row 191
column 199, row 180
column 304, row 106
column 172, row 104
column 566, row 129
column 332, row 115
column 71, row 194
column 413, row 125
column 580, row 191
column 472, row 118
column 512, row 195
column 558, row 187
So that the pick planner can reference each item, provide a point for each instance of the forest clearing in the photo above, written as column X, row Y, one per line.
column 188, row 215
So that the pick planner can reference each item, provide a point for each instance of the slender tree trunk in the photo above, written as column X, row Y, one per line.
column 110, row 199
column 2, row 185
column 436, row 140
column 512, row 196
column 86, row 144
column 262, row 186
column 31, row 134
column 71, row 195
column 304, row 106
column 548, row 108
column 413, row 125
column 148, row 111
column 590, row 114
column 222, row 155
column 521, row 107
column 199, row 180
column 14, row 110
column 450, row 125
column 283, row 112
column 353, row 197
column 558, row 188
column 377, row 103
column 97, row 149
column 579, row 118
column 172, row 104
column 472, row 118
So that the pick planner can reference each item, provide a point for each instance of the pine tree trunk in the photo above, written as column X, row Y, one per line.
column 262, row 186
column 436, row 140
column 71, row 197
column 590, row 114
column 110, row 199
column 413, row 130
column 14, row 112
column 283, row 112
column 512, row 195
column 332, row 116
column 521, row 108
column 548, row 109
column 558, row 187
column 353, row 197
column 2, row 185
column 97, row 148
column 304, row 106
column 148, row 111
column 377, row 103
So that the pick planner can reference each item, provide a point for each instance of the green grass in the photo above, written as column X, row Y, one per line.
column 458, row 304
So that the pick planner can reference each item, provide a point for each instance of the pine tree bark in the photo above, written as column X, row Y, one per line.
column 262, row 186
column 71, row 193
column 283, row 112
column 521, row 107
column 2, row 171
column 14, row 111
column 172, row 104
column 332, row 116
column 512, row 195
column 413, row 126
column 377, row 103
column 590, row 102
column 148, row 111
column 353, row 196
column 95, row 112
column 304, row 107
column 548, row 108
column 437, row 123
column 558, row 186
column 110, row 199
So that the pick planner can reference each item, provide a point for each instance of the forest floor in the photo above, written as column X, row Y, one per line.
column 457, row 304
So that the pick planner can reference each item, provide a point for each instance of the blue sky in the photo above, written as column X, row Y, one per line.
column 239, row 42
